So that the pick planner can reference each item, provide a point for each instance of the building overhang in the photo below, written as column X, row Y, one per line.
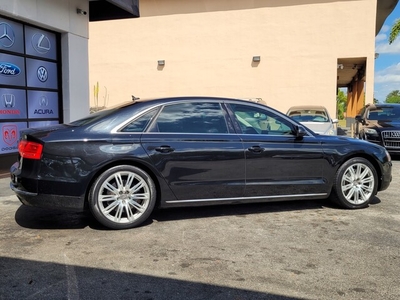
column 383, row 10
column 102, row 10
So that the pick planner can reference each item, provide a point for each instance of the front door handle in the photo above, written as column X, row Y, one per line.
column 164, row 149
column 256, row 149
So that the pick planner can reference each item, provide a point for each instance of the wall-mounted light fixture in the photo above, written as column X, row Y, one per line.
column 256, row 58
column 81, row 12
column 161, row 62
column 340, row 66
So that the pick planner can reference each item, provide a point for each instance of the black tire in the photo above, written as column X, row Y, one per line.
column 122, row 197
column 355, row 184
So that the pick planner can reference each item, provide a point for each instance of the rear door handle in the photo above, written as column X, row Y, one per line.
column 164, row 149
column 256, row 149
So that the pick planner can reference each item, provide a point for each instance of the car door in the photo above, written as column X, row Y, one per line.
column 278, row 163
column 194, row 147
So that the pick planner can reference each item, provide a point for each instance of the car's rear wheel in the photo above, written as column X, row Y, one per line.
column 122, row 197
column 355, row 183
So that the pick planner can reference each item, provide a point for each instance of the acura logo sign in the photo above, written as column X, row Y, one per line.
column 42, row 74
column 43, row 101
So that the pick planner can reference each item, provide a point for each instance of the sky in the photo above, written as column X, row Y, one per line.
column 387, row 65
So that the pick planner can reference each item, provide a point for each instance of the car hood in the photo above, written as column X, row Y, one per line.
column 318, row 127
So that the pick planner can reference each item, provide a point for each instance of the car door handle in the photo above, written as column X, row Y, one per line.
column 164, row 149
column 256, row 149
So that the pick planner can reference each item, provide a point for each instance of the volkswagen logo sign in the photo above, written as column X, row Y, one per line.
column 7, row 36
column 41, row 43
column 42, row 74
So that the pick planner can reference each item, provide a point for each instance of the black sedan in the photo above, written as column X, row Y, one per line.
column 122, row 162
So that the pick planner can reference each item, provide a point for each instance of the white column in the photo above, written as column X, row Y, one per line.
column 75, row 73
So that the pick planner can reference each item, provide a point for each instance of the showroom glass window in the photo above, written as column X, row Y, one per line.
column 30, row 93
column 187, row 117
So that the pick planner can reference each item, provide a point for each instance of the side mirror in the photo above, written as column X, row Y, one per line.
column 360, row 119
column 300, row 131
column 335, row 121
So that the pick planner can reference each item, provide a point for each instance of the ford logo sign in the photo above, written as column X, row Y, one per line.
column 9, row 69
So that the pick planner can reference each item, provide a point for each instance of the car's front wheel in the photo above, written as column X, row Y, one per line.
column 355, row 183
column 122, row 197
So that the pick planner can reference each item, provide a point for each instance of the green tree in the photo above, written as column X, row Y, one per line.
column 393, row 97
column 395, row 31
column 341, row 104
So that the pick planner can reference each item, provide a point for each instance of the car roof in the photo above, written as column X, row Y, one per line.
column 308, row 107
column 377, row 105
column 192, row 98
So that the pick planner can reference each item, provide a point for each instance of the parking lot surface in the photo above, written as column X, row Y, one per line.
column 282, row 250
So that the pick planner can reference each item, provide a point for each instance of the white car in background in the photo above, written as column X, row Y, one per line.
column 314, row 117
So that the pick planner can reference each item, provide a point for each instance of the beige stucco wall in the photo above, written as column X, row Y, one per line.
column 208, row 47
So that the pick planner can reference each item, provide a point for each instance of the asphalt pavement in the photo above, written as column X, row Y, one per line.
column 286, row 250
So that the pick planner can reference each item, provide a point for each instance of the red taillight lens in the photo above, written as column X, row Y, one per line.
column 30, row 150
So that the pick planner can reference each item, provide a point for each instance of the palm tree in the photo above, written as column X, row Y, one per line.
column 395, row 31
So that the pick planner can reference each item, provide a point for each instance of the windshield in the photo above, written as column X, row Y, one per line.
column 384, row 113
column 309, row 115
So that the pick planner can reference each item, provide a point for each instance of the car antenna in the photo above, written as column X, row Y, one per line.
column 135, row 98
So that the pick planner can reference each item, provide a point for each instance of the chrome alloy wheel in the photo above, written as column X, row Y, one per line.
column 358, row 183
column 123, row 197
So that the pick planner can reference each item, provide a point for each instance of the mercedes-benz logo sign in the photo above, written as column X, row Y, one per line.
column 7, row 36
column 42, row 74
column 41, row 43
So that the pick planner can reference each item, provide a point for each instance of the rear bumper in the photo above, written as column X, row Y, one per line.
column 49, row 201
column 27, row 192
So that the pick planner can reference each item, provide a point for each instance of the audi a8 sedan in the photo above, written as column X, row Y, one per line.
column 122, row 162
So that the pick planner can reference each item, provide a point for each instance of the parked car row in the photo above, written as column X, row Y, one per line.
column 122, row 162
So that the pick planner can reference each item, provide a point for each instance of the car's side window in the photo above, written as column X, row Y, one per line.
column 140, row 124
column 202, row 117
column 253, row 120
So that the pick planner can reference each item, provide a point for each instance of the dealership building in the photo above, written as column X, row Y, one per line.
column 59, row 58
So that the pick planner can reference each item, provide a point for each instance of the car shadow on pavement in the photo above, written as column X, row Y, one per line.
column 39, row 218
column 48, row 280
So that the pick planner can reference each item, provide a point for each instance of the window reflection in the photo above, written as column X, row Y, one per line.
column 192, row 118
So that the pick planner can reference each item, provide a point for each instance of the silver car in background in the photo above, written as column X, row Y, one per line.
column 314, row 117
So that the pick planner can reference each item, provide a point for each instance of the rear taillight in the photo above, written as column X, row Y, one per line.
column 30, row 150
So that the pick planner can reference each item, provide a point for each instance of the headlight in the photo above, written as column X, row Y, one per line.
column 371, row 131
column 330, row 132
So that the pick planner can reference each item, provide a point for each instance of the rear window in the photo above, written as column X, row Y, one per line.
column 309, row 115
column 98, row 115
